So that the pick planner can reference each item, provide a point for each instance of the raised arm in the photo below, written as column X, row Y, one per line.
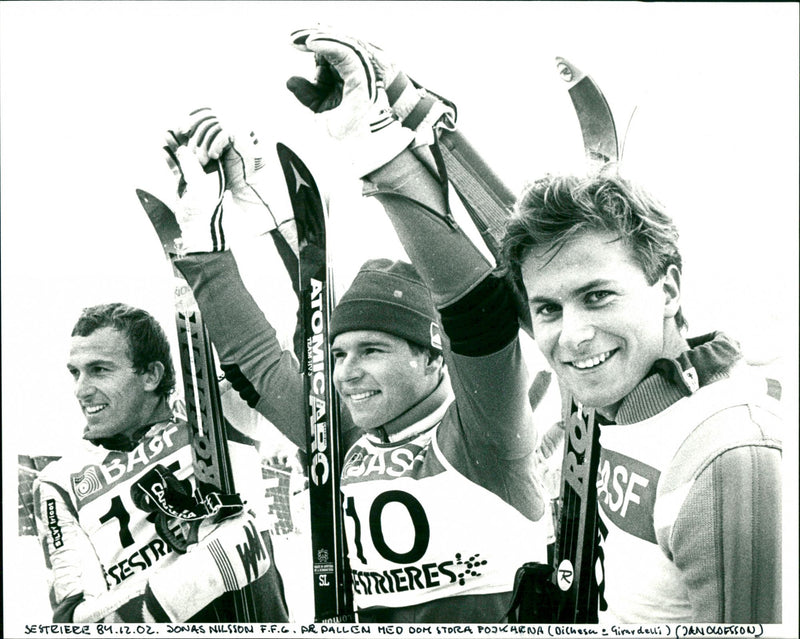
column 493, row 436
column 265, row 375
column 219, row 180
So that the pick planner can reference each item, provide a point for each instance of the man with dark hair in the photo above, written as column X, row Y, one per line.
column 146, row 339
column 690, row 470
column 109, row 562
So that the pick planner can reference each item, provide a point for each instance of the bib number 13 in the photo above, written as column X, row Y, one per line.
column 416, row 513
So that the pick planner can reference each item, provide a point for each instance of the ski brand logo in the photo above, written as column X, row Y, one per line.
column 565, row 574
column 318, row 384
column 577, row 462
column 436, row 336
column 298, row 179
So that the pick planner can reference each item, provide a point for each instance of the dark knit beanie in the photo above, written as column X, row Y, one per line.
column 390, row 297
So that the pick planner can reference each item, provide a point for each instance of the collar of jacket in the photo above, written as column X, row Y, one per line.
column 710, row 358
column 127, row 442
column 420, row 417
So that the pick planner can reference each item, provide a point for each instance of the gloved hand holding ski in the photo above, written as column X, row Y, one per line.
column 200, row 190
column 203, row 141
column 416, row 108
column 349, row 93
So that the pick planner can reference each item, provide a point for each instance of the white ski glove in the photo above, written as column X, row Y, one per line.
column 229, row 556
column 417, row 109
column 241, row 161
column 350, row 95
column 200, row 194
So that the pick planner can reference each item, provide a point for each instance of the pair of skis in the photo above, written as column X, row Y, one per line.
column 210, row 456
column 312, row 281
column 567, row 590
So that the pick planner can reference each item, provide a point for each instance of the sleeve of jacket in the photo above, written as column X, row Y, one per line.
column 492, row 440
column 726, row 538
column 264, row 374
column 76, row 572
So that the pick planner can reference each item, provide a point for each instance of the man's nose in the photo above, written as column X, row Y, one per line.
column 83, row 386
column 347, row 368
column 576, row 328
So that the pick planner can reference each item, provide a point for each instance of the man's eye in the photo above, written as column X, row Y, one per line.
column 547, row 310
column 598, row 296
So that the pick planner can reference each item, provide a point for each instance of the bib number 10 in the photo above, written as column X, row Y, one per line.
column 419, row 520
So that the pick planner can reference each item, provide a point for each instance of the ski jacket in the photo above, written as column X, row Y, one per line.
column 480, row 440
column 689, row 486
column 424, row 536
column 98, row 544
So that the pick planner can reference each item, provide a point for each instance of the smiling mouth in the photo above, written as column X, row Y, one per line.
column 360, row 397
column 93, row 410
column 591, row 362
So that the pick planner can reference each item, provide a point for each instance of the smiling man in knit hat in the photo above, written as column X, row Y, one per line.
column 439, row 483
column 386, row 346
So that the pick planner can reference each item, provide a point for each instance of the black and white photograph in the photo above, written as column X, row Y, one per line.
column 423, row 317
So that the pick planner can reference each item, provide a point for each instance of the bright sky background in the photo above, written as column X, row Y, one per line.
column 87, row 89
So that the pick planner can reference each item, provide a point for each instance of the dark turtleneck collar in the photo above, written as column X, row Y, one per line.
column 127, row 441
column 710, row 358
column 402, row 426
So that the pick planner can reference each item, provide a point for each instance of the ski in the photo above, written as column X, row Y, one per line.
column 211, row 460
column 576, row 551
column 599, row 132
column 577, row 548
column 487, row 199
column 333, row 601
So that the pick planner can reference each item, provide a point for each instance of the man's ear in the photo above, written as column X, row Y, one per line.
column 153, row 375
column 671, row 285
column 434, row 361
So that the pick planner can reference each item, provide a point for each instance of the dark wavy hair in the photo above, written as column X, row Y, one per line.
column 147, row 342
column 555, row 209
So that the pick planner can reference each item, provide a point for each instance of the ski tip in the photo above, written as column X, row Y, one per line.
column 568, row 71
column 151, row 203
